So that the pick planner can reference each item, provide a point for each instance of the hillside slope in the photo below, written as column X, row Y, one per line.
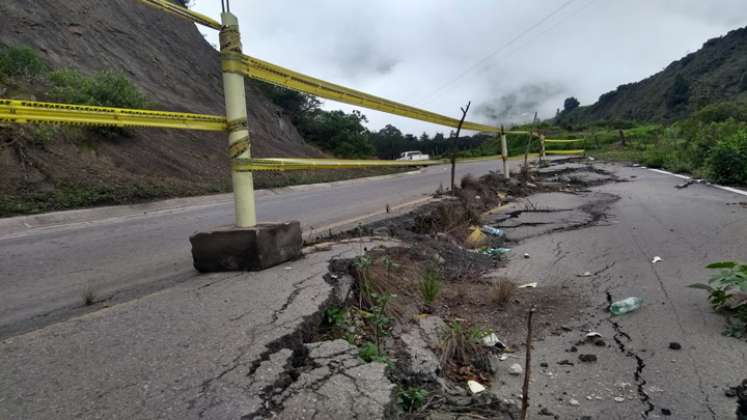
column 168, row 59
column 717, row 72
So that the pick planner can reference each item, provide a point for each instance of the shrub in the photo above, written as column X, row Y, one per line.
column 721, row 112
column 105, row 88
column 727, row 160
column 20, row 62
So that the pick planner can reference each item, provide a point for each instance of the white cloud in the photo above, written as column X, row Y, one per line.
column 407, row 50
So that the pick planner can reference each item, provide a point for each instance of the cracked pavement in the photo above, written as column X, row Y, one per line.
column 636, row 374
column 196, row 350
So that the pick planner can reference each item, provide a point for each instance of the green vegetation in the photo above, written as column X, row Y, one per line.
column 66, row 196
column 20, row 62
column 712, row 144
column 344, row 135
column 105, row 88
column 369, row 352
column 570, row 104
column 727, row 294
column 412, row 398
column 334, row 316
column 460, row 344
column 430, row 285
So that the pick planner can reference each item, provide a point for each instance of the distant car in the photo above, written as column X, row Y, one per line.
column 414, row 155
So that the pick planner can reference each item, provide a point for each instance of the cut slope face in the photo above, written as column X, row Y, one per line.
column 168, row 59
column 717, row 72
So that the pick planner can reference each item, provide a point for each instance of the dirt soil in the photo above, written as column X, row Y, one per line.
column 176, row 68
column 435, row 235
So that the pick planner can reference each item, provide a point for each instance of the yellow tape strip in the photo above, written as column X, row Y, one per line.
column 237, row 148
column 280, row 76
column 294, row 164
column 30, row 112
column 565, row 152
column 564, row 141
column 183, row 12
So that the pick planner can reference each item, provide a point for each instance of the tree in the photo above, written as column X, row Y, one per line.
column 424, row 138
column 679, row 92
column 388, row 142
column 342, row 134
column 570, row 104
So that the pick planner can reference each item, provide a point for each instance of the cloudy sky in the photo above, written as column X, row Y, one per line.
column 509, row 57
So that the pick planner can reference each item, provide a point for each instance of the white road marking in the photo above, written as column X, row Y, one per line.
column 720, row 187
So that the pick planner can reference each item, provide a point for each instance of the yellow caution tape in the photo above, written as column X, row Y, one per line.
column 564, row 141
column 294, row 164
column 276, row 75
column 280, row 76
column 183, row 12
column 565, row 152
column 30, row 112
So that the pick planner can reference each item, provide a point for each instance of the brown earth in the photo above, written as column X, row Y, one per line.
column 170, row 61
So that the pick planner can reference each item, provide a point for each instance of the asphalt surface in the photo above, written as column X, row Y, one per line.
column 46, row 272
column 192, row 350
column 207, row 348
column 636, row 374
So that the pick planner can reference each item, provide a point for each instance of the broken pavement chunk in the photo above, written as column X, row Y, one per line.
column 475, row 387
column 515, row 369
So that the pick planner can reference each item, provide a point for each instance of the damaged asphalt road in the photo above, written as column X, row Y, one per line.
column 211, row 348
column 244, row 345
column 613, row 231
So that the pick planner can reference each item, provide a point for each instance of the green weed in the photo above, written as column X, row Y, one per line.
column 430, row 285
column 412, row 398
column 727, row 293
column 370, row 352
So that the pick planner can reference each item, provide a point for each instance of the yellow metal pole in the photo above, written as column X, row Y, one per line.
column 239, row 145
column 504, row 154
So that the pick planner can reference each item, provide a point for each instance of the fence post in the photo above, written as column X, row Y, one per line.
column 504, row 154
column 239, row 145
column 542, row 147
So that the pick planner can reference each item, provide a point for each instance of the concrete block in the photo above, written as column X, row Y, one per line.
column 246, row 249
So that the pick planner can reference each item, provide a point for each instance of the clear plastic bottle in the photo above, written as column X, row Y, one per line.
column 626, row 305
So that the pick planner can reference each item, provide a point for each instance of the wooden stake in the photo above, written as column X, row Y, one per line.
column 527, row 367
column 453, row 145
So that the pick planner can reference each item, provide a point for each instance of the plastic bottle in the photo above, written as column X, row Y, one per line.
column 490, row 230
column 626, row 305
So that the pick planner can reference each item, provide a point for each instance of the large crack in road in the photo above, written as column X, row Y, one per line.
column 640, row 364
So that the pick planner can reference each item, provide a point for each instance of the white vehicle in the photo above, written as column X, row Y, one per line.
column 413, row 155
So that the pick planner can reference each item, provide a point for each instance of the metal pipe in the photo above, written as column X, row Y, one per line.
column 238, row 132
